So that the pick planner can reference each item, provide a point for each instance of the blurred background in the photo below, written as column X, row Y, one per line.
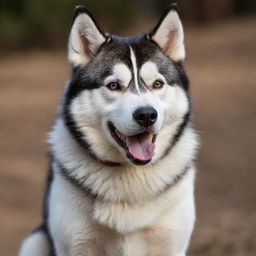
column 221, row 63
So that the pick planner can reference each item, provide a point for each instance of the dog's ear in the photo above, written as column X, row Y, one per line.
column 168, row 34
column 85, row 38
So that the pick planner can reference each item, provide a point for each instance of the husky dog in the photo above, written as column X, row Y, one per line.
column 121, row 179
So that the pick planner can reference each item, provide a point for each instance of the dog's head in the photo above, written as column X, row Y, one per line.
column 127, row 100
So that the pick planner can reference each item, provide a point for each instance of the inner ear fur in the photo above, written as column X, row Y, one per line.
column 169, row 35
column 85, row 38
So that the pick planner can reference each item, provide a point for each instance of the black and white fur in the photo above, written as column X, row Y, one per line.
column 101, row 200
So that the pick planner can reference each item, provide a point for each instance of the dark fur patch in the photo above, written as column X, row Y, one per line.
column 182, row 76
column 45, row 225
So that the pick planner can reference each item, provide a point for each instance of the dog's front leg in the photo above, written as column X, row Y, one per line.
column 171, row 234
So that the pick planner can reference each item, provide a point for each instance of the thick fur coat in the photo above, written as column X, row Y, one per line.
column 121, row 179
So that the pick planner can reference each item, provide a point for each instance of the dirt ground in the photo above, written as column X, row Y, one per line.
column 221, row 63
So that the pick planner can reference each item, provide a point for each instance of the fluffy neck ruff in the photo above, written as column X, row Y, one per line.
column 125, row 183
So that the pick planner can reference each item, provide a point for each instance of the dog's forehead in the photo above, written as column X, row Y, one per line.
column 119, row 50
column 125, row 55
column 121, row 72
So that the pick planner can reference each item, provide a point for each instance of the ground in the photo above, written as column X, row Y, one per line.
column 221, row 63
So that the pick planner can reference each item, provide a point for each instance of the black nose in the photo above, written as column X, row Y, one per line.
column 145, row 116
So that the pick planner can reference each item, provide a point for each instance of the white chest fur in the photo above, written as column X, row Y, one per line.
column 79, row 223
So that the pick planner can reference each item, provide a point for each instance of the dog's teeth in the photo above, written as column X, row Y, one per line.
column 120, row 135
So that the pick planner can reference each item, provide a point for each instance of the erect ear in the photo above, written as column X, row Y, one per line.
column 85, row 38
column 168, row 34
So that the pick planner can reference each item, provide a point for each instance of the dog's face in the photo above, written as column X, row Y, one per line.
column 127, row 100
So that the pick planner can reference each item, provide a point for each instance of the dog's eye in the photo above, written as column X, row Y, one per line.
column 114, row 86
column 158, row 84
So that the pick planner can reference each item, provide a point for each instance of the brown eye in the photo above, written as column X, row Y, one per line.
column 158, row 84
column 114, row 86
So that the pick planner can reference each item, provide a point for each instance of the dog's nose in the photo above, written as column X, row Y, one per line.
column 145, row 116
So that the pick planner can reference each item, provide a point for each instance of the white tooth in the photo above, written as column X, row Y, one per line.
column 120, row 135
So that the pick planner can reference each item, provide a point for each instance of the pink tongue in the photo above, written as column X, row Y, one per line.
column 141, row 146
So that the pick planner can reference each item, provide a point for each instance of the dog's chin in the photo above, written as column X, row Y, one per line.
column 139, row 148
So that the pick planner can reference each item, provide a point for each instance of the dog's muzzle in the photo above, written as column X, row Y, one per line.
column 139, row 148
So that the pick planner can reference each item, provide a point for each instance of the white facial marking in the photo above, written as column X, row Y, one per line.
column 135, row 70
column 149, row 73
column 120, row 73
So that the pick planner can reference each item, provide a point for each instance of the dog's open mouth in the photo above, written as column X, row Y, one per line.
column 139, row 148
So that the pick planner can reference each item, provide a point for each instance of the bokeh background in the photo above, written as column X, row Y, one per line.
column 221, row 63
